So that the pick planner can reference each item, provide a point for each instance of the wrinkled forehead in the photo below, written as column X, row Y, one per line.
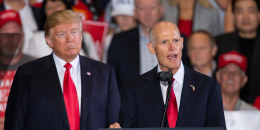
column 166, row 30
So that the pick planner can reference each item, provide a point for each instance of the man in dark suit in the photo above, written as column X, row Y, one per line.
column 196, row 99
column 128, row 53
column 47, row 95
column 245, row 40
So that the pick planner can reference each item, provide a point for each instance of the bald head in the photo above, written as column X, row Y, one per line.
column 166, row 43
column 159, row 27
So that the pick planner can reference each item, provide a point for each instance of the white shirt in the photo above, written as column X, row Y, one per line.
column 74, row 73
column 177, row 85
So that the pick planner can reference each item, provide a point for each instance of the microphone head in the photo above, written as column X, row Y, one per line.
column 165, row 75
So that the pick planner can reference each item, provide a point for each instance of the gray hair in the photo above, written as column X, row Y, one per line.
column 151, row 35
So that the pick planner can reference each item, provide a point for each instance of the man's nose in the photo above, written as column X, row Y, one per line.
column 69, row 36
column 172, row 45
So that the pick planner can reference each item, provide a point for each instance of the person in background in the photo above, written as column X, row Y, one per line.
column 192, row 15
column 30, row 17
column 11, row 55
column 221, row 6
column 229, row 17
column 63, row 90
column 232, row 77
column 201, row 50
column 245, row 40
column 123, row 16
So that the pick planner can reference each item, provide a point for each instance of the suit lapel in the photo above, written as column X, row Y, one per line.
column 187, row 96
column 53, row 79
column 154, row 93
column 86, row 87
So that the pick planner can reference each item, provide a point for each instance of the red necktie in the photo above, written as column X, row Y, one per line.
column 71, row 99
column 172, row 110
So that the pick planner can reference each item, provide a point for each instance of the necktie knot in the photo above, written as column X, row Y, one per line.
column 67, row 66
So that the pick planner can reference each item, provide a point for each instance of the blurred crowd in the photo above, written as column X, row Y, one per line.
column 221, row 40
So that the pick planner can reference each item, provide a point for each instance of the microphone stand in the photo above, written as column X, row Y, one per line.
column 167, row 101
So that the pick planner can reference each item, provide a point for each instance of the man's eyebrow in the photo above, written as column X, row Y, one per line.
column 74, row 29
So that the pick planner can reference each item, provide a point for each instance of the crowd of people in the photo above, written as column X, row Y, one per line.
column 220, row 39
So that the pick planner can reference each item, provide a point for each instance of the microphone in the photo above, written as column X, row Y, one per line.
column 166, row 76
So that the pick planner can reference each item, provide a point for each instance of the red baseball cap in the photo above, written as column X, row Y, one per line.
column 9, row 15
column 232, row 57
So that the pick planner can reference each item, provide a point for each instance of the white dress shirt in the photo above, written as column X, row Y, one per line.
column 74, row 73
column 177, row 85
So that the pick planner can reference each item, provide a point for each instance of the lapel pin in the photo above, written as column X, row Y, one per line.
column 193, row 88
column 88, row 73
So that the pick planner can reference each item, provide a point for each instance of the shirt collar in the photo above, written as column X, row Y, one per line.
column 60, row 63
column 178, row 76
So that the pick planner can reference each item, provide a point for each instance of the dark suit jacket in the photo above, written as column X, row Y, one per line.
column 35, row 10
column 124, row 55
column 230, row 41
column 142, row 102
column 36, row 99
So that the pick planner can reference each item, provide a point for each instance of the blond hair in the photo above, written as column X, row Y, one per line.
column 204, row 3
column 61, row 17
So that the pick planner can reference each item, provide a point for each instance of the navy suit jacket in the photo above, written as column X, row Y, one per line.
column 143, row 106
column 36, row 99
column 124, row 55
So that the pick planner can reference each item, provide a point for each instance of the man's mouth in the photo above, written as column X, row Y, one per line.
column 172, row 57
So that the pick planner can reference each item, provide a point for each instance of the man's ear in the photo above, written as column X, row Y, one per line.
column 214, row 50
column 151, row 48
column 49, row 41
column 244, row 80
column 135, row 14
column 161, row 10
column 218, row 76
column 182, row 41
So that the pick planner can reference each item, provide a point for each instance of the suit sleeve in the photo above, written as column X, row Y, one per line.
column 215, row 111
column 114, row 102
column 16, row 110
column 127, row 116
